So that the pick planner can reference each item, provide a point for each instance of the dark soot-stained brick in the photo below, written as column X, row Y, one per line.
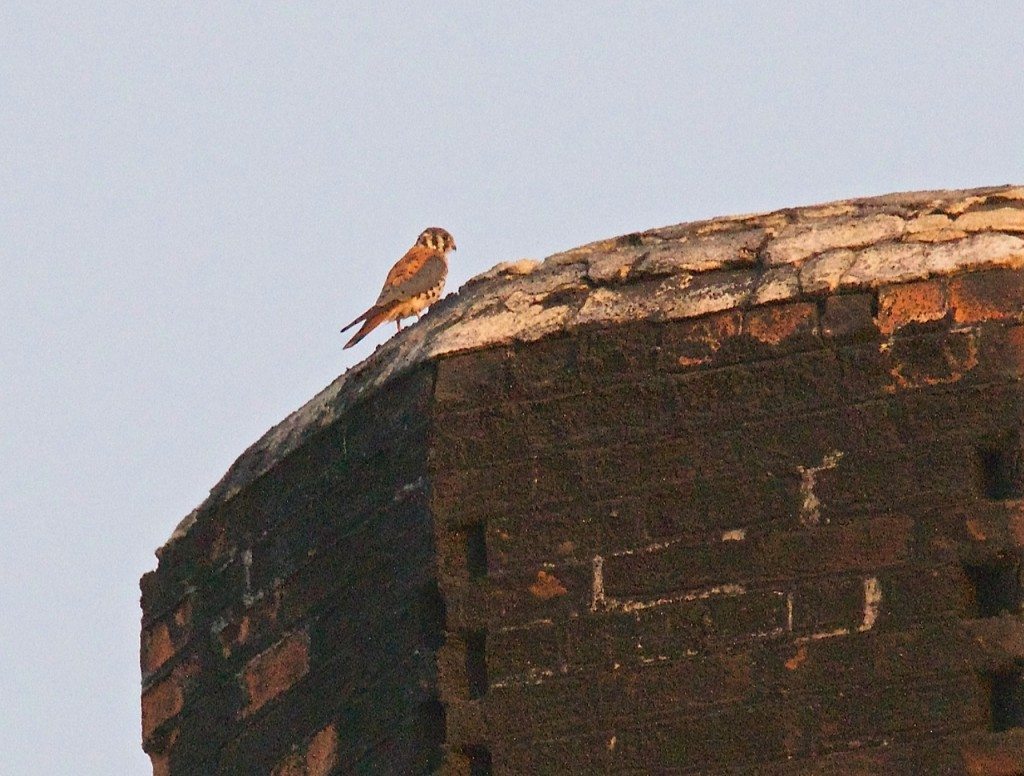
column 743, row 541
column 848, row 316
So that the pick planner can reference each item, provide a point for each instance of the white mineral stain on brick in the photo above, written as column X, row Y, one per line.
column 824, row 272
column 823, row 635
column 656, row 659
column 774, row 633
column 509, row 268
column 601, row 601
column 777, row 284
column 701, row 255
column 872, row 603
column 525, row 626
column 885, row 264
column 247, row 597
column 529, row 324
column 597, row 597
column 796, row 243
column 532, row 677
column 410, row 488
column 872, row 608
column 653, row 547
column 635, row 605
column 810, row 508
column 928, row 223
column 932, row 227
column 1004, row 219
column 937, row 235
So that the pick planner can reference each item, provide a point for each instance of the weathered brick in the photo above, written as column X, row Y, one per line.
column 866, row 545
column 920, row 594
column 318, row 758
column 165, row 699
column 512, row 598
column 551, row 706
column 161, row 764
column 470, row 379
column 157, row 647
column 276, row 669
column 848, row 315
column 1003, row 219
column 162, row 640
column 678, row 686
column 594, row 355
column 691, row 343
column 876, row 710
column 657, row 630
column 994, row 755
column 906, row 303
column 888, row 757
column 919, row 362
column 982, row 296
column 1015, row 351
column 518, row 654
column 774, row 324
column 828, row 605
column 730, row 736
column 1015, row 521
column 713, row 543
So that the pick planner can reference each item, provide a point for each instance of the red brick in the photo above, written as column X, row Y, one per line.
column 274, row 670
column 1000, row 755
column 162, row 640
column 691, row 343
column 183, row 614
column 161, row 764
column 318, row 759
column 918, row 302
column 777, row 323
column 547, row 586
column 322, row 754
column 165, row 699
column 983, row 296
column 258, row 620
column 157, row 647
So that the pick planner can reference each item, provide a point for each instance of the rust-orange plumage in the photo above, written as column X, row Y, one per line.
column 412, row 285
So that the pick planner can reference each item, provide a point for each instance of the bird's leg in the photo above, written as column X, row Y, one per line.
column 398, row 323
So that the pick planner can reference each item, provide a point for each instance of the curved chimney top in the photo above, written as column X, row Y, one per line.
column 674, row 272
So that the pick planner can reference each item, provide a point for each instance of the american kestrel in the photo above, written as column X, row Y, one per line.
column 412, row 285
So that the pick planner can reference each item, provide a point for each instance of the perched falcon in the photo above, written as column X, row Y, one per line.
column 412, row 285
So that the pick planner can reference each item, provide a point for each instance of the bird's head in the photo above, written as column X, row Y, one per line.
column 437, row 239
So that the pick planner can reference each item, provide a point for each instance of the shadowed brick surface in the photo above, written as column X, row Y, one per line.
column 774, row 528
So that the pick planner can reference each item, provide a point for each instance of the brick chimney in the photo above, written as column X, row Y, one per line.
column 737, row 496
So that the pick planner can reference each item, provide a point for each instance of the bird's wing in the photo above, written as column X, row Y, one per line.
column 418, row 271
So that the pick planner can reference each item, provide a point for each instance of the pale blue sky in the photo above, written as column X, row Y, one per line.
column 195, row 196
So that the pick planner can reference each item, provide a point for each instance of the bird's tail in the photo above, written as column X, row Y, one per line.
column 371, row 319
column 362, row 317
